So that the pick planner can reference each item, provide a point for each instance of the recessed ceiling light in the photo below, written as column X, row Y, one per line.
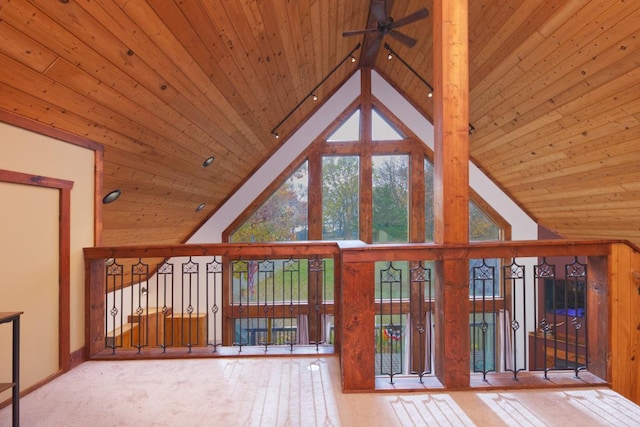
column 200, row 207
column 208, row 161
column 111, row 196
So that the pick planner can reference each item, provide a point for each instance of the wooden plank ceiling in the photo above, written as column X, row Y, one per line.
column 164, row 84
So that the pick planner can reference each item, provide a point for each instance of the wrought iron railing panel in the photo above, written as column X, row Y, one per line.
column 390, row 322
column 422, row 289
column 403, row 321
column 483, row 290
column 513, row 322
column 188, row 303
column 214, row 292
column 561, row 338
column 509, row 325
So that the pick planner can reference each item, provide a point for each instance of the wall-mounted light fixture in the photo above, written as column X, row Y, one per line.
column 312, row 94
column 111, row 196
column 200, row 207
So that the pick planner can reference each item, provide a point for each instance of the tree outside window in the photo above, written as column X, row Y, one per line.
column 340, row 197
column 390, row 198
column 283, row 216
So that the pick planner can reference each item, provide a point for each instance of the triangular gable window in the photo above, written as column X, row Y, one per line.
column 381, row 129
column 349, row 131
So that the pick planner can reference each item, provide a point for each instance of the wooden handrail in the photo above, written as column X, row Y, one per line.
column 475, row 250
column 246, row 250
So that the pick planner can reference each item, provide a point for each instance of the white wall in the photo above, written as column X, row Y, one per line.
column 30, row 276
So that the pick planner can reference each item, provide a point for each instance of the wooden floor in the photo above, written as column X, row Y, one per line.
column 291, row 391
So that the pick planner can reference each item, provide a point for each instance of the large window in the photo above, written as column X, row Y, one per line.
column 346, row 167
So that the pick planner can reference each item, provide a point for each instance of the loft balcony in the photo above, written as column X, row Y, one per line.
column 529, row 314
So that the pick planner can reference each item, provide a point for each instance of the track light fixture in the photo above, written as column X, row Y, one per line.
column 392, row 54
column 312, row 94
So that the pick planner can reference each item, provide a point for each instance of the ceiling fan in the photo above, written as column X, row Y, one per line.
column 381, row 24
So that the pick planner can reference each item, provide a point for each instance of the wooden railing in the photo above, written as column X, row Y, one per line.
column 200, row 299
column 451, row 344
column 598, row 339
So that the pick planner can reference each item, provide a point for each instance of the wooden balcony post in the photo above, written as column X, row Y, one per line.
column 598, row 315
column 95, row 290
column 357, row 352
column 451, row 188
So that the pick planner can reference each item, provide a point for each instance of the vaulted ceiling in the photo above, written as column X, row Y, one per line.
column 165, row 84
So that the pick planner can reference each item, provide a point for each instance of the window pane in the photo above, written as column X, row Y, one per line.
column 484, row 277
column 428, row 201
column 269, row 282
column 481, row 227
column 282, row 217
column 349, row 131
column 390, row 332
column 328, row 283
column 340, row 197
column 390, row 198
column 381, row 129
column 260, row 331
column 483, row 342
column 392, row 280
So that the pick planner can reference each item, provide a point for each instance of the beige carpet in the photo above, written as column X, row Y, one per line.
column 290, row 391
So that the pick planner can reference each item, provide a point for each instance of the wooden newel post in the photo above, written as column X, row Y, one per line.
column 357, row 327
column 95, row 289
column 451, row 188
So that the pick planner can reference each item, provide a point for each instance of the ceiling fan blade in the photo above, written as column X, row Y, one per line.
column 403, row 38
column 358, row 32
column 415, row 16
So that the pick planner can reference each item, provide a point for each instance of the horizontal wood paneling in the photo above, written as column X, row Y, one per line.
column 164, row 85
